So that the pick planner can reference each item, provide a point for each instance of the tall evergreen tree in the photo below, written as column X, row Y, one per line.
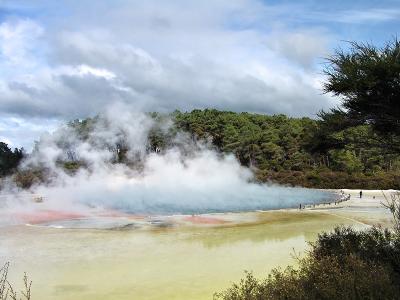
column 367, row 78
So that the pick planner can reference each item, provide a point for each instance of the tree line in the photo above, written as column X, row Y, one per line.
column 9, row 159
column 299, row 151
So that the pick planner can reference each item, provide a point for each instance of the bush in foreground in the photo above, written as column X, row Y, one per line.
column 326, row 278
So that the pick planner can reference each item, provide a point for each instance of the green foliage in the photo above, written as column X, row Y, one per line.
column 299, row 151
column 346, row 160
column 368, row 79
column 26, row 178
column 84, row 127
column 9, row 159
column 71, row 167
column 326, row 179
column 267, row 142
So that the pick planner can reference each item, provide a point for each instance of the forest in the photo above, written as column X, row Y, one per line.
column 324, row 153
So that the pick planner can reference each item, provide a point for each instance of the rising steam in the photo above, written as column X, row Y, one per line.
column 184, row 176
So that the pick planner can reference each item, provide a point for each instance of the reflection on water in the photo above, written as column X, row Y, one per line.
column 163, row 263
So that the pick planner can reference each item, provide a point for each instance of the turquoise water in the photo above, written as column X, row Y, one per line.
column 260, row 197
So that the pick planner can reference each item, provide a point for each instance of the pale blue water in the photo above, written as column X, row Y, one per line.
column 258, row 197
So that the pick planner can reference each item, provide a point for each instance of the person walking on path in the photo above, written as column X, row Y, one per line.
column 360, row 194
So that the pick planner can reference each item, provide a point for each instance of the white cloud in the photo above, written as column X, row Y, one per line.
column 368, row 15
column 303, row 47
column 21, row 132
column 87, row 70
column 159, row 56
column 17, row 41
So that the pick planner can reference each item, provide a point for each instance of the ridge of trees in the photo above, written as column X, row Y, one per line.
column 323, row 153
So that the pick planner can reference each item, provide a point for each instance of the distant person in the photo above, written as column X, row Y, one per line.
column 360, row 194
column 300, row 206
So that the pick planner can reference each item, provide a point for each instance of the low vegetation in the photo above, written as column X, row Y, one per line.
column 7, row 291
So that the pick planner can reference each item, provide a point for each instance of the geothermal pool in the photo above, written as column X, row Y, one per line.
column 191, row 260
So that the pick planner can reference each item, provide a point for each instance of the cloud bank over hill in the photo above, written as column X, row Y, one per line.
column 65, row 59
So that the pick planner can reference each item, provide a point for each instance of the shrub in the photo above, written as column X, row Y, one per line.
column 26, row 178
column 375, row 245
column 326, row 278
column 326, row 179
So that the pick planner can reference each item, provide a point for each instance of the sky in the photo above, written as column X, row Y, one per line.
column 62, row 60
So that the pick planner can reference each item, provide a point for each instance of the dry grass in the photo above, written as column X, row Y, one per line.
column 7, row 291
column 393, row 204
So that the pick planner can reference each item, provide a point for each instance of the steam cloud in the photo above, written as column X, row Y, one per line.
column 186, row 177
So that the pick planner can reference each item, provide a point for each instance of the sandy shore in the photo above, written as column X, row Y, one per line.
column 368, row 209
column 370, row 198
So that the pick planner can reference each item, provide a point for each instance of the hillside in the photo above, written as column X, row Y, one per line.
column 327, row 153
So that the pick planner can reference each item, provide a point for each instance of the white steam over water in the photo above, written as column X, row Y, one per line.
column 172, row 184
column 186, row 177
